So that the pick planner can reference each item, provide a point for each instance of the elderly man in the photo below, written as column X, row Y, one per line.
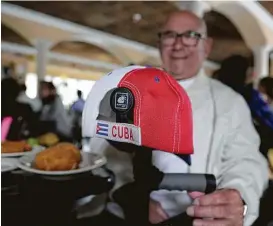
column 225, row 141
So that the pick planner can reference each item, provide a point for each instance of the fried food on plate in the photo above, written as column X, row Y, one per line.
column 15, row 147
column 48, row 139
column 62, row 157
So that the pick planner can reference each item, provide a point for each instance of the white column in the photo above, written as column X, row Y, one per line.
column 42, row 47
column 198, row 7
column 261, row 60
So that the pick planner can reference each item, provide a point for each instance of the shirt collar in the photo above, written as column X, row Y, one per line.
column 186, row 83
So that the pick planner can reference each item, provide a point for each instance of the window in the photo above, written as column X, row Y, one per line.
column 66, row 87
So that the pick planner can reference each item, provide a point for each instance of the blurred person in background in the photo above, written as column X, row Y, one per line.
column 76, row 111
column 266, row 89
column 9, row 71
column 23, row 118
column 23, row 98
column 234, row 72
column 78, row 105
column 54, row 111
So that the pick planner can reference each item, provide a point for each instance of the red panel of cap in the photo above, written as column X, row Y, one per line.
column 162, row 110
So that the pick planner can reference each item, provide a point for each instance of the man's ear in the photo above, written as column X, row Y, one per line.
column 208, row 46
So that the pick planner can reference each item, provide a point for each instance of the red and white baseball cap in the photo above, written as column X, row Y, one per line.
column 161, row 115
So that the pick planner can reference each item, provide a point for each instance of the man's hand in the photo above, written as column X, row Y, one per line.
column 220, row 208
column 156, row 212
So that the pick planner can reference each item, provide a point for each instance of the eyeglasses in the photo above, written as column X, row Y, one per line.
column 189, row 38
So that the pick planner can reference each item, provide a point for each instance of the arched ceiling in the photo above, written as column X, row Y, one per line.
column 84, row 50
column 118, row 18
column 7, row 34
column 227, row 39
column 268, row 5
column 110, row 16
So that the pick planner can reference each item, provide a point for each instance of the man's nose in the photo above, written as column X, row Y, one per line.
column 178, row 44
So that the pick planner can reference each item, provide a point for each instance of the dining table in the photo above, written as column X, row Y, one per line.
column 37, row 200
column 32, row 199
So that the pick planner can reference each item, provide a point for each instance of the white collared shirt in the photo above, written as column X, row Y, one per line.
column 186, row 83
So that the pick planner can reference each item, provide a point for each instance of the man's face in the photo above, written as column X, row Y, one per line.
column 44, row 92
column 183, row 56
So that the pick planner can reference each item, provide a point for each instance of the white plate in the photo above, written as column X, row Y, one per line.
column 35, row 149
column 8, row 164
column 89, row 162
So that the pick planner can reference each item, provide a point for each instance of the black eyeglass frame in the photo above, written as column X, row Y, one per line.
column 190, row 34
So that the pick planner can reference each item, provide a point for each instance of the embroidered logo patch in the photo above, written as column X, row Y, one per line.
column 120, row 132
column 121, row 101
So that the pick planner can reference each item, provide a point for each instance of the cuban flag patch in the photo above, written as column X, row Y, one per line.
column 102, row 129
column 120, row 132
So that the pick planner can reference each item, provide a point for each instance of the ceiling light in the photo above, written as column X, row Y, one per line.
column 137, row 17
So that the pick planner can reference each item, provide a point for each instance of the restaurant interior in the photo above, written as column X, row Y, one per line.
column 66, row 47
